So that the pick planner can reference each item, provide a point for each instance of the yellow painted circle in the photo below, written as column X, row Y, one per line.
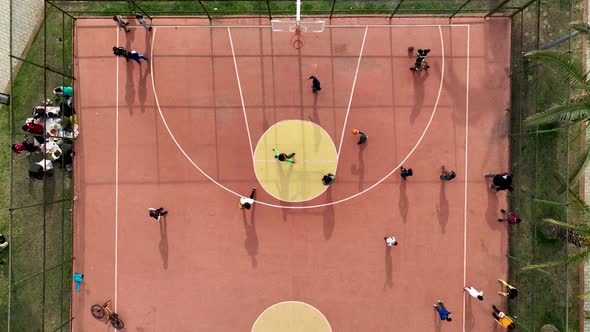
column 315, row 156
column 291, row 317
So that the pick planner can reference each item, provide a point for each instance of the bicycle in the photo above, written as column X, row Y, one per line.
column 99, row 311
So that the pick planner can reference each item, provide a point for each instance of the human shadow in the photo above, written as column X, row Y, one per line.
column 403, row 201
column 388, row 268
column 443, row 208
column 164, row 242
column 437, row 322
column 418, row 80
column 360, row 169
column 493, row 210
column 469, row 317
column 130, row 86
column 144, row 72
column 315, row 115
column 251, row 241
column 329, row 217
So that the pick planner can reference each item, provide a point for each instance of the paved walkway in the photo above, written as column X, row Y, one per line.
column 26, row 14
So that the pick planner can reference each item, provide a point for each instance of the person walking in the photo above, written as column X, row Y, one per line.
column 362, row 136
column 157, row 213
column 120, row 51
column 315, row 84
column 447, row 175
column 133, row 55
column 502, row 319
column 511, row 291
column 474, row 292
column 500, row 181
column 328, row 179
column 142, row 21
column 511, row 217
column 421, row 60
column 406, row 172
column 120, row 23
column 444, row 314
column 247, row 202
column 390, row 241
column 288, row 158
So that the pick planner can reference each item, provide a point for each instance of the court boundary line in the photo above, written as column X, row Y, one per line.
column 241, row 93
column 466, row 173
column 326, row 26
column 433, row 113
column 356, row 73
column 116, row 175
column 283, row 302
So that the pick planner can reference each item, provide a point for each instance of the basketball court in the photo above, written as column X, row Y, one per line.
column 194, row 129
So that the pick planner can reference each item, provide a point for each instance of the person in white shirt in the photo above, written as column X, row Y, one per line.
column 3, row 242
column 245, row 202
column 390, row 241
column 474, row 292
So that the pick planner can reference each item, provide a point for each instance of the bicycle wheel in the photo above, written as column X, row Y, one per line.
column 117, row 322
column 97, row 311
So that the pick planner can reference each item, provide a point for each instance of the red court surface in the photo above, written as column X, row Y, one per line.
column 210, row 266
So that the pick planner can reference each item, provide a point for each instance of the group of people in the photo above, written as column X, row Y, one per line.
column 51, row 129
column 504, row 320
column 121, row 51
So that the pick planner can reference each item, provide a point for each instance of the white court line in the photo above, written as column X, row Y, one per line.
column 442, row 75
column 116, row 174
column 298, row 161
column 466, row 172
column 356, row 73
column 241, row 94
column 326, row 26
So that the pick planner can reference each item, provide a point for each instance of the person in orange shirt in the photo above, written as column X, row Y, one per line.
column 502, row 319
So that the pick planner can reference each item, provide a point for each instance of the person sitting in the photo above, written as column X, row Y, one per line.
column 66, row 91
column 33, row 128
column 24, row 146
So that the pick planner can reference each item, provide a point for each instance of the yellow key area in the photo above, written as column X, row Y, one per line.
column 291, row 317
column 315, row 156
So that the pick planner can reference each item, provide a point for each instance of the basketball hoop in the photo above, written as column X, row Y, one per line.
column 297, row 27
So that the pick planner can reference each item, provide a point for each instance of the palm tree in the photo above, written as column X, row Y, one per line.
column 571, row 111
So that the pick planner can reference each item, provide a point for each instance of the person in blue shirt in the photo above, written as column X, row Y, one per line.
column 444, row 314
column 447, row 175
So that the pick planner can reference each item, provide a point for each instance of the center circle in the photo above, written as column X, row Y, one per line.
column 315, row 156
column 291, row 316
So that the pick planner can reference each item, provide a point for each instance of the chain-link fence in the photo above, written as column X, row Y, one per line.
column 542, row 160
column 38, row 268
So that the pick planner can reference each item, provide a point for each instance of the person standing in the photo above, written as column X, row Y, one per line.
column 390, row 241
column 3, row 242
column 142, row 21
column 120, row 51
column 502, row 319
column 120, row 23
column 157, row 213
column 500, row 181
column 447, row 175
column 363, row 137
column 133, row 55
column 284, row 157
column 474, row 292
column 328, row 179
column 315, row 84
column 511, row 291
column 444, row 314
column 511, row 217
column 406, row 172
column 245, row 202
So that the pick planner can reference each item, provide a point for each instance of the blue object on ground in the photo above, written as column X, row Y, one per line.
column 78, row 277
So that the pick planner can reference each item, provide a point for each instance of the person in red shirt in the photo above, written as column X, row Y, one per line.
column 33, row 128
column 511, row 217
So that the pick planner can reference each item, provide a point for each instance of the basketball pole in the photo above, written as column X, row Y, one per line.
column 298, row 15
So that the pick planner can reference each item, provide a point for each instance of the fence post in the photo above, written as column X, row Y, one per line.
column 396, row 8
column 493, row 11
column 460, row 8
column 332, row 10
column 205, row 9
column 268, row 8
column 133, row 5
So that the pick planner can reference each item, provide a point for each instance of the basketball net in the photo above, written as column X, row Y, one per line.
column 297, row 27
